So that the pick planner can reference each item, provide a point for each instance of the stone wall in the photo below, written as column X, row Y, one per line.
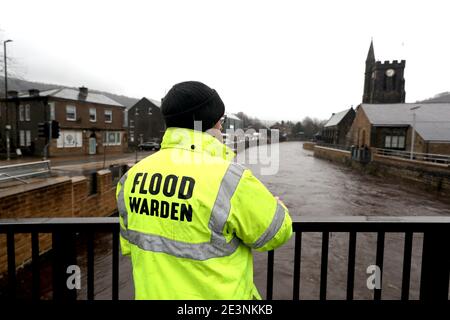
column 334, row 155
column 425, row 175
column 431, row 176
column 54, row 197
column 309, row 146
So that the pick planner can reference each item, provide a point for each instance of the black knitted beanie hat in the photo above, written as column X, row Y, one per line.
column 192, row 101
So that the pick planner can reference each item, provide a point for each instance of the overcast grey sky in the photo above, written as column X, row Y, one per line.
column 270, row 59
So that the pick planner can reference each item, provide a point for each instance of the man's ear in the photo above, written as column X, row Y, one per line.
column 216, row 133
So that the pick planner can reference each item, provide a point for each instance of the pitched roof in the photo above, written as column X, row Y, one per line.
column 432, row 119
column 336, row 118
column 142, row 100
column 232, row 116
column 73, row 94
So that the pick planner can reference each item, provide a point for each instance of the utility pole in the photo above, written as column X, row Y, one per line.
column 8, row 126
column 413, row 131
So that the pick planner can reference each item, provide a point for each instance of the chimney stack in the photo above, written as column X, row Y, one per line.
column 83, row 92
column 12, row 94
column 33, row 92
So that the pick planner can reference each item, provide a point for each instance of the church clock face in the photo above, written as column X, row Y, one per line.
column 390, row 72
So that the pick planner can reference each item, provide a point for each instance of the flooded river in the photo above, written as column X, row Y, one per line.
column 315, row 187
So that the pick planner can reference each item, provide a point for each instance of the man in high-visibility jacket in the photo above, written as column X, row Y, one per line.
column 189, row 216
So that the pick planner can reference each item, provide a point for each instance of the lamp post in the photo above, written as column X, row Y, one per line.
column 7, row 127
column 413, row 131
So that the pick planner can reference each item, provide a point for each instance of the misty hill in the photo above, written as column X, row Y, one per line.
column 443, row 97
column 23, row 85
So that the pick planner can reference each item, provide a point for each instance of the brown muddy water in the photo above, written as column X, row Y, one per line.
column 309, row 187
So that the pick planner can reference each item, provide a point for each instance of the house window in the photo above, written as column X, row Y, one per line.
column 131, row 123
column 150, row 110
column 111, row 138
column 28, row 138
column 71, row 113
column 25, row 138
column 108, row 116
column 22, row 138
column 70, row 139
column 401, row 142
column 27, row 112
column 394, row 142
column 21, row 112
column 92, row 115
column 136, row 112
column 131, row 136
column 52, row 110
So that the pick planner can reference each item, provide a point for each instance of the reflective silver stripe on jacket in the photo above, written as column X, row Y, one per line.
column 121, row 201
column 222, row 205
column 272, row 230
column 216, row 247
column 196, row 251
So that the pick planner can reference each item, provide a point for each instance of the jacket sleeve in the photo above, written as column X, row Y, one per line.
column 124, row 244
column 257, row 217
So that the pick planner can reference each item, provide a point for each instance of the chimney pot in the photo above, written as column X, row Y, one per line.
column 83, row 91
column 12, row 94
column 33, row 92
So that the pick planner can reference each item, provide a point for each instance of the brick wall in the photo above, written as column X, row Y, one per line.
column 54, row 197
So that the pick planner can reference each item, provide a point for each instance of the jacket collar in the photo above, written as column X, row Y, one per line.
column 195, row 141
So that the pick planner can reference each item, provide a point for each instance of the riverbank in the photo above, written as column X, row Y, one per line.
column 428, row 176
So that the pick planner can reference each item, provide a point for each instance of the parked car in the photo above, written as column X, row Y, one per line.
column 149, row 146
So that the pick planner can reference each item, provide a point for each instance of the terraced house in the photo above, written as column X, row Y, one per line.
column 91, row 123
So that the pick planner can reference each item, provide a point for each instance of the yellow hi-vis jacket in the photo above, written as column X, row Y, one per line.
column 189, row 219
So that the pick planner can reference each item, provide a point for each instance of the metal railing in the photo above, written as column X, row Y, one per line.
column 23, row 171
column 435, row 259
column 418, row 156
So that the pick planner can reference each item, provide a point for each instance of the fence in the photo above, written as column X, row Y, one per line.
column 23, row 171
column 434, row 280
column 428, row 157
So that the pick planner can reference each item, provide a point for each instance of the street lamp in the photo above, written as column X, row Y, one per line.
column 413, row 131
column 7, row 127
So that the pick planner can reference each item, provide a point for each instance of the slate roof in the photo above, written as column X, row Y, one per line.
column 336, row 118
column 73, row 94
column 432, row 119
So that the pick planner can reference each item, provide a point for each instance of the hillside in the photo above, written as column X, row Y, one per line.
column 23, row 85
column 440, row 97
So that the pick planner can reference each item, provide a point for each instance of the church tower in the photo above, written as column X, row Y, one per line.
column 383, row 82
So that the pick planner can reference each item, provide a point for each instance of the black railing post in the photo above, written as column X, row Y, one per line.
column 324, row 266
column 351, row 265
column 270, row 261
column 11, row 250
column 297, row 265
column 64, row 255
column 115, row 265
column 434, row 281
column 35, row 264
